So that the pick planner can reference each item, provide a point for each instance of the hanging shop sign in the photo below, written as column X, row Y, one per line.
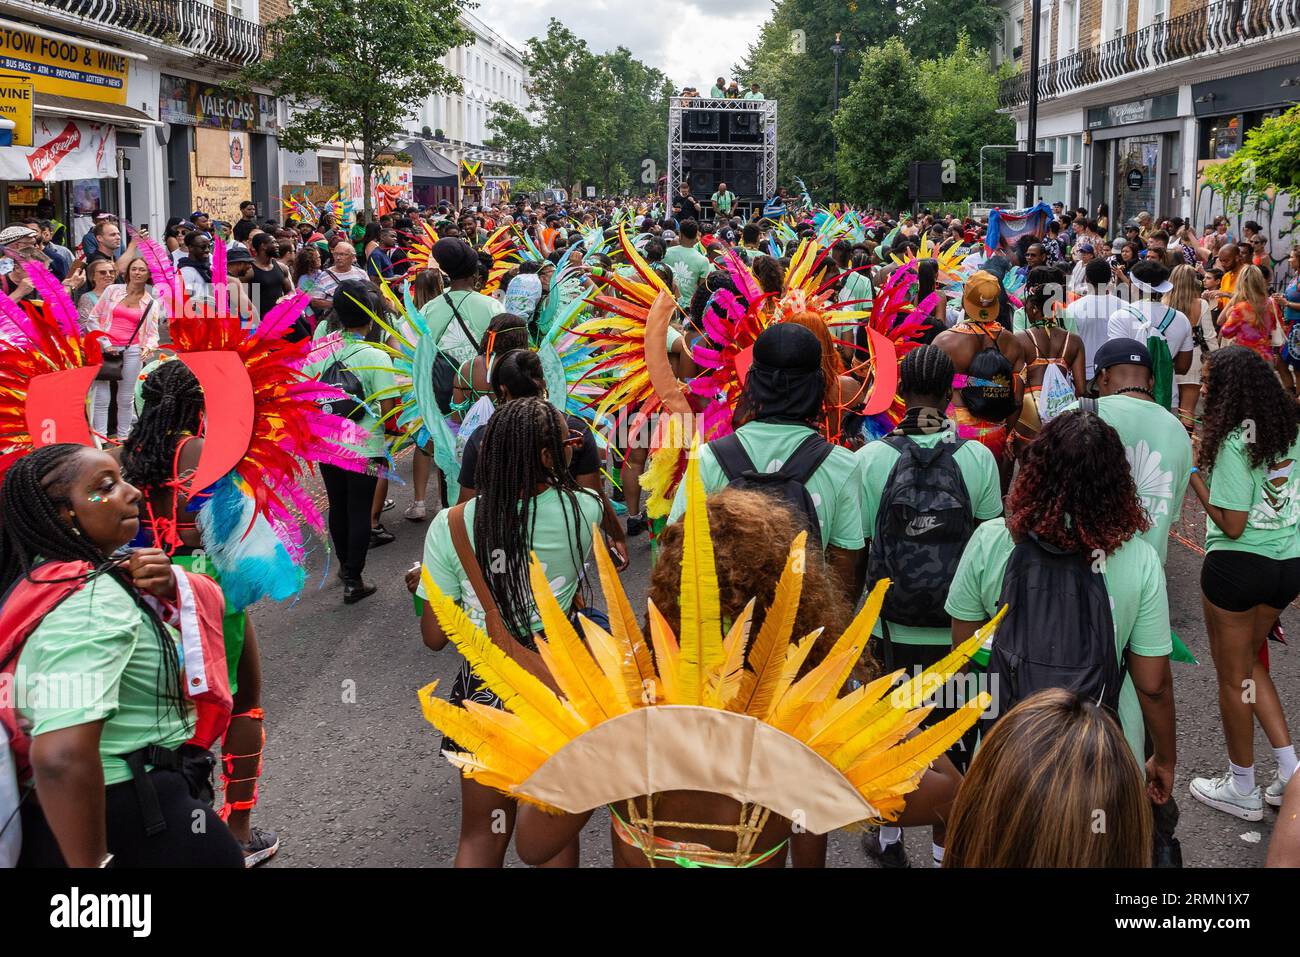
column 191, row 103
column 64, row 67
column 1162, row 107
column 62, row 149
column 17, row 97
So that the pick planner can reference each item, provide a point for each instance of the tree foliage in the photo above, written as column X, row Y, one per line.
column 899, row 111
column 595, row 116
column 792, row 62
column 355, row 70
column 1269, row 159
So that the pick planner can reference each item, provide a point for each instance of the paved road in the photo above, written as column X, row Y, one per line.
column 353, row 776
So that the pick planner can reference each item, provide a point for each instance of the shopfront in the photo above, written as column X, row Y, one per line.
column 71, row 152
column 1226, row 110
column 1137, row 157
column 221, row 148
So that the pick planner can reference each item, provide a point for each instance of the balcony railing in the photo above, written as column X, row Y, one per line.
column 1220, row 26
column 192, row 24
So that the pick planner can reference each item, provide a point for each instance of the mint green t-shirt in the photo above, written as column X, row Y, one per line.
column 1134, row 578
column 1271, row 496
column 374, row 369
column 979, row 472
column 96, row 657
column 476, row 311
column 1159, row 454
column 553, row 537
column 835, row 488
column 689, row 267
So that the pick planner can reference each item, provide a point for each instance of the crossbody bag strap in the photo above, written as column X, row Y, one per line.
column 495, row 624
column 469, row 336
column 135, row 332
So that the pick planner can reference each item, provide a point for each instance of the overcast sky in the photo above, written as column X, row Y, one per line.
column 693, row 42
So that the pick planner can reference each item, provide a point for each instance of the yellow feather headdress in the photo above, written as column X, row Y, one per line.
column 701, row 714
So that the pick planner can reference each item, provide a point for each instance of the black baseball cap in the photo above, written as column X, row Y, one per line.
column 1117, row 352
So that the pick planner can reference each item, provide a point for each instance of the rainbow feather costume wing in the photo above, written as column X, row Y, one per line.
column 44, row 359
column 753, row 701
column 290, row 430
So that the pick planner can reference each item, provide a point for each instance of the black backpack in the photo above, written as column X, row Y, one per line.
column 989, row 394
column 789, row 485
column 352, row 405
column 1058, row 631
column 923, row 524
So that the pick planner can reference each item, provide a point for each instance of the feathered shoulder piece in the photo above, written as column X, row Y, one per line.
column 708, row 711
column 46, row 368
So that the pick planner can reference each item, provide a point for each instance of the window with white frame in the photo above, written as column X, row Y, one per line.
column 1045, row 35
column 1067, row 28
column 246, row 9
column 1114, row 19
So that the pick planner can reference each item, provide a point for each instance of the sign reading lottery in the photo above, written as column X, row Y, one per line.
column 64, row 67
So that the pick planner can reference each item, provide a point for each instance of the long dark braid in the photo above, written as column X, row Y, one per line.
column 173, row 406
column 31, row 526
column 510, row 470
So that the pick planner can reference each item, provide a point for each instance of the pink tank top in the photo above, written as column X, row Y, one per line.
column 125, row 319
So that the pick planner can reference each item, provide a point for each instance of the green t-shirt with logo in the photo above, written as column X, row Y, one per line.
column 1159, row 454
column 561, row 540
column 689, row 267
column 1270, row 494
column 979, row 472
column 1135, row 581
column 70, row 674
column 835, row 488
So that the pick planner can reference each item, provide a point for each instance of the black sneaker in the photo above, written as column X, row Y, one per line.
column 381, row 536
column 355, row 590
column 260, row 846
column 891, row 857
column 636, row 524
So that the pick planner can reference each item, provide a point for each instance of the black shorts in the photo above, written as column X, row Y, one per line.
column 1240, row 581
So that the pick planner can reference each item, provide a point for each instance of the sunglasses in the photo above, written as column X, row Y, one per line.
column 573, row 440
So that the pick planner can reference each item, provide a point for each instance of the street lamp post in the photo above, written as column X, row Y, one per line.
column 1031, row 121
column 837, row 48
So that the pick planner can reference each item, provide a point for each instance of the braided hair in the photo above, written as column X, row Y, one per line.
column 510, row 471
column 1045, row 291
column 926, row 371
column 31, row 526
column 173, row 408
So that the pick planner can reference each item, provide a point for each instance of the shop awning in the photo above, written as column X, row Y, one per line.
column 429, row 165
column 93, row 110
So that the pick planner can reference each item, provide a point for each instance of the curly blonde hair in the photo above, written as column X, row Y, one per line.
column 752, row 534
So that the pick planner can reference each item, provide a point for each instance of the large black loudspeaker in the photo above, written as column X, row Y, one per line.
column 744, row 128
column 703, row 126
column 925, row 180
column 705, row 169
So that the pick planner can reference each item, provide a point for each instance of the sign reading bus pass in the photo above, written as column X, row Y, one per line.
column 64, row 67
column 16, row 98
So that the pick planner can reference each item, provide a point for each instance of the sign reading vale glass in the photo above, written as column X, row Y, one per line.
column 192, row 103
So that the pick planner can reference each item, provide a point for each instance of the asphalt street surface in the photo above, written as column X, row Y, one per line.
column 353, row 776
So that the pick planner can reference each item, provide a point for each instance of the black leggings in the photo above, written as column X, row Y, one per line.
column 1239, row 581
column 351, row 496
column 185, row 843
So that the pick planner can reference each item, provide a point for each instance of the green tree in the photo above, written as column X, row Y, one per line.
column 793, row 63
column 594, row 118
column 355, row 70
column 933, row 28
column 960, row 98
column 1269, row 159
column 883, row 126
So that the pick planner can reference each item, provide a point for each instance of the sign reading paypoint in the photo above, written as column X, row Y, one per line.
column 64, row 67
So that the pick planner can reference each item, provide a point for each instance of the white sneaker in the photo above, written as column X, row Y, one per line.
column 415, row 512
column 1220, row 794
column 1274, row 793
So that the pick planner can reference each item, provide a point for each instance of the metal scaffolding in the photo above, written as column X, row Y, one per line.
column 678, row 144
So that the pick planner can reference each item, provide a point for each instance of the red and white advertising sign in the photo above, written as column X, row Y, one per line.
column 62, row 149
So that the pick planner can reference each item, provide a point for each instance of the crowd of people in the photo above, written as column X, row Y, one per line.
column 1005, row 433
